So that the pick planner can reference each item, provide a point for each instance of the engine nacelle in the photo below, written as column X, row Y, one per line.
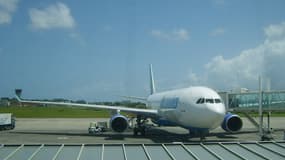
column 231, row 123
column 119, row 123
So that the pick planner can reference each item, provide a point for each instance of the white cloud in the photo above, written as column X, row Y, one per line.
column 218, row 32
column 77, row 37
column 181, row 34
column 157, row 33
column 7, row 8
column 275, row 31
column 266, row 59
column 54, row 16
column 238, row 71
column 219, row 2
column 9, row 5
column 192, row 79
column 5, row 17
column 176, row 34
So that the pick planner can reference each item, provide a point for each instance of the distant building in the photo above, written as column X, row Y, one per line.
column 240, row 90
column 4, row 101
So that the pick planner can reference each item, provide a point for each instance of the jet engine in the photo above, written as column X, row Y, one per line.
column 119, row 123
column 231, row 123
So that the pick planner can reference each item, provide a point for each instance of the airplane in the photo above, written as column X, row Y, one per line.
column 198, row 109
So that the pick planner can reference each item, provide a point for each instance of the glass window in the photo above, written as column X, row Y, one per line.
column 218, row 101
column 169, row 103
column 199, row 101
column 209, row 100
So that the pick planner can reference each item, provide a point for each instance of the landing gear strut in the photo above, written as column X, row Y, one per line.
column 140, row 126
column 198, row 133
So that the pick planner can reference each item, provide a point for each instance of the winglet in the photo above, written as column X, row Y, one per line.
column 152, row 86
column 18, row 93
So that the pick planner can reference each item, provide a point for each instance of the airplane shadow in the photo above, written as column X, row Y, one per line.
column 156, row 135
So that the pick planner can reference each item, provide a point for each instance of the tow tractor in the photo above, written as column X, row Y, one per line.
column 97, row 127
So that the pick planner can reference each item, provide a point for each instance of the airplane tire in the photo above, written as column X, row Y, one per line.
column 144, row 129
column 143, row 132
column 136, row 131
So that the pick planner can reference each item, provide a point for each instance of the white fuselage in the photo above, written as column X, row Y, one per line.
column 193, row 107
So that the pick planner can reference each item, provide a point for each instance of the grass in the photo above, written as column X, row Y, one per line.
column 54, row 112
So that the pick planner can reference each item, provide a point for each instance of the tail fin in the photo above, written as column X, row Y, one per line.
column 152, row 86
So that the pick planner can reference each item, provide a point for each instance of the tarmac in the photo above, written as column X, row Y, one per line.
column 74, row 131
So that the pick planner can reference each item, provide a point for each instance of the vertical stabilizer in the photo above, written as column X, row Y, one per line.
column 152, row 86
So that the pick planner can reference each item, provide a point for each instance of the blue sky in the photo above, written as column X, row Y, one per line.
column 96, row 50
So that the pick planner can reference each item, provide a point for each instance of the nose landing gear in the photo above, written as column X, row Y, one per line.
column 202, row 133
column 140, row 126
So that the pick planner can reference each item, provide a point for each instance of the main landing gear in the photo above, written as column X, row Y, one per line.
column 140, row 126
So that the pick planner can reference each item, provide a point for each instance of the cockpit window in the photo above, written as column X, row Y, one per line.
column 209, row 100
column 200, row 101
column 218, row 101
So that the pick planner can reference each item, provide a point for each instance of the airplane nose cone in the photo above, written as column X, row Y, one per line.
column 219, row 109
column 218, row 112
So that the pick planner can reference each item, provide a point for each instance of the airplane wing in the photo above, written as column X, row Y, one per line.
column 116, row 108
column 144, row 99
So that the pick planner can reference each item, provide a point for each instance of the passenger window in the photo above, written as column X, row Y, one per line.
column 202, row 100
column 169, row 103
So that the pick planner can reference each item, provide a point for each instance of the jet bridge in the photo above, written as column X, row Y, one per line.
column 249, row 101
column 246, row 102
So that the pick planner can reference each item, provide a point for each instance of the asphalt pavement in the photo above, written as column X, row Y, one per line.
column 74, row 131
